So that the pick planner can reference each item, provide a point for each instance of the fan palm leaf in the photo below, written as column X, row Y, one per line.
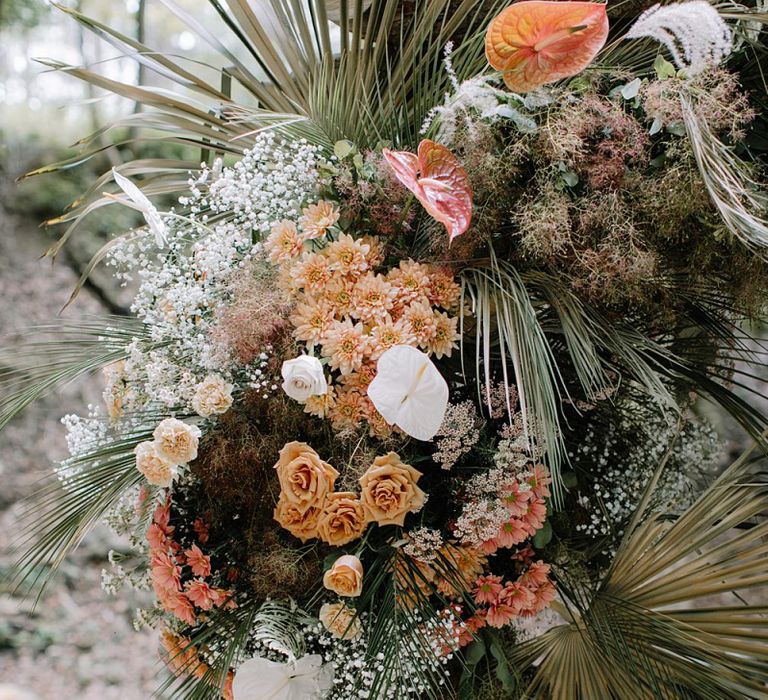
column 651, row 628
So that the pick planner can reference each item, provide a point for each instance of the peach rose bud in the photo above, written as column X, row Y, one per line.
column 345, row 577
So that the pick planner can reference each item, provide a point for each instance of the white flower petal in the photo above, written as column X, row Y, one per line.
column 409, row 392
column 262, row 679
column 141, row 203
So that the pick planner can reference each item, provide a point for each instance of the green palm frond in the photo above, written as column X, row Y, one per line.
column 54, row 355
column 651, row 629
column 60, row 515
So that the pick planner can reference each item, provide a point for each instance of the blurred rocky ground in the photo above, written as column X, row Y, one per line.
column 76, row 643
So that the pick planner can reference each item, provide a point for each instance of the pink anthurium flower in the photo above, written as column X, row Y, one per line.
column 539, row 41
column 439, row 182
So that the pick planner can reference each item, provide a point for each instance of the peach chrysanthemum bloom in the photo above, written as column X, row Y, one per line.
column 338, row 294
column 375, row 254
column 378, row 427
column 467, row 564
column 372, row 298
column 445, row 337
column 311, row 273
column 349, row 256
column 346, row 345
column 388, row 333
column 411, row 279
column 421, row 318
column 284, row 242
column 361, row 378
column 347, row 411
column 320, row 405
column 317, row 218
column 311, row 320
column 443, row 290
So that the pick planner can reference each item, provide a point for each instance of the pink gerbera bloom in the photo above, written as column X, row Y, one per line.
column 517, row 596
column 500, row 615
column 201, row 530
column 487, row 589
column 535, row 515
column 156, row 537
column 165, row 573
column 515, row 499
column 539, row 481
column 198, row 562
column 201, row 594
column 512, row 532
column 179, row 605
column 537, row 574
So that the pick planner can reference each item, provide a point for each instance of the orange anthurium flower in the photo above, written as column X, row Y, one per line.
column 439, row 182
column 537, row 41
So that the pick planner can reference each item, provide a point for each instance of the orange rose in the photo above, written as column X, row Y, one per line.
column 343, row 518
column 301, row 525
column 305, row 479
column 345, row 577
column 389, row 490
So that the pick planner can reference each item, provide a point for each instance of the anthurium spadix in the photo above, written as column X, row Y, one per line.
column 262, row 679
column 409, row 392
column 140, row 202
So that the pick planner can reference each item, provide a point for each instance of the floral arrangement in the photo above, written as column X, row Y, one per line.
column 407, row 405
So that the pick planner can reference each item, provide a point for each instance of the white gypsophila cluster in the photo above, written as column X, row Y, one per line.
column 622, row 472
column 352, row 675
column 527, row 627
column 693, row 32
column 182, row 288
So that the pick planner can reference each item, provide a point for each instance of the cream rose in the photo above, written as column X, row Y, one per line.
column 345, row 577
column 343, row 519
column 156, row 468
column 340, row 620
column 389, row 491
column 301, row 525
column 305, row 480
column 212, row 396
column 303, row 377
column 176, row 441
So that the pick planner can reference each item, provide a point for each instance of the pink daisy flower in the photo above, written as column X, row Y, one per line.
column 487, row 589
column 201, row 594
column 198, row 562
column 512, row 532
column 515, row 499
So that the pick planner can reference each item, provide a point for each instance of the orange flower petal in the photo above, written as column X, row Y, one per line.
column 439, row 182
column 537, row 41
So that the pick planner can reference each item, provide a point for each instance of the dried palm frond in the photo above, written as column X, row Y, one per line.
column 741, row 201
column 651, row 629
column 372, row 78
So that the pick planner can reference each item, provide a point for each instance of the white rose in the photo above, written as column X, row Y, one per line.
column 303, row 377
column 212, row 396
column 176, row 441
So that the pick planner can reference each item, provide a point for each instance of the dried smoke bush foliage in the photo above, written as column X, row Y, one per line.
column 257, row 315
column 598, row 139
column 719, row 101
column 544, row 223
column 273, row 566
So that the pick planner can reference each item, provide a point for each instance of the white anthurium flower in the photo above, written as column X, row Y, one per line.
column 409, row 392
column 140, row 202
column 303, row 377
column 262, row 679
